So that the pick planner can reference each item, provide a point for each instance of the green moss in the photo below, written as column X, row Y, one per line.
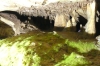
column 82, row 47
column 31, row 48
column 5, row 30
column 73, row 60
column 18, row 55
column 35, row 49
column 18, row 51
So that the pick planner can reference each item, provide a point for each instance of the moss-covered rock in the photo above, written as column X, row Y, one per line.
column 39, row 49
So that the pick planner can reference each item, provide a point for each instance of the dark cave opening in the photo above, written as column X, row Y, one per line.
column 98, row 26
column 40, row 22
column 81, row 24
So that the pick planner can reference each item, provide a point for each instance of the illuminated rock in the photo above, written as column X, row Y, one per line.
column 50, row 8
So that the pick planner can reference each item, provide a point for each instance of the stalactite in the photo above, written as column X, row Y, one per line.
column 51, row 8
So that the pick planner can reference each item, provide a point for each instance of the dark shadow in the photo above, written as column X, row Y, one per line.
column 82, row 21
column 42, row 23
column 98, row 27
column 5, row 31
column 93, row 57
column 98, row 16
column 58, row 28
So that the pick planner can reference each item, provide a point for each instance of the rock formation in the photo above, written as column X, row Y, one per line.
column 57, row 10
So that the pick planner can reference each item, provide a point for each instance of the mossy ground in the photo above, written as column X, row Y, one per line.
column 47, row 49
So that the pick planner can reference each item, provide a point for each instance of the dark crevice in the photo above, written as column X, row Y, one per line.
column 82, row 21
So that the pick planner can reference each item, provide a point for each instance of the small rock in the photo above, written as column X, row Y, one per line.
column 98, row 38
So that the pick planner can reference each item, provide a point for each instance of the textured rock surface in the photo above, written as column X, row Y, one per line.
column 52, row 8
column 16, row 24
column 44, row 7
